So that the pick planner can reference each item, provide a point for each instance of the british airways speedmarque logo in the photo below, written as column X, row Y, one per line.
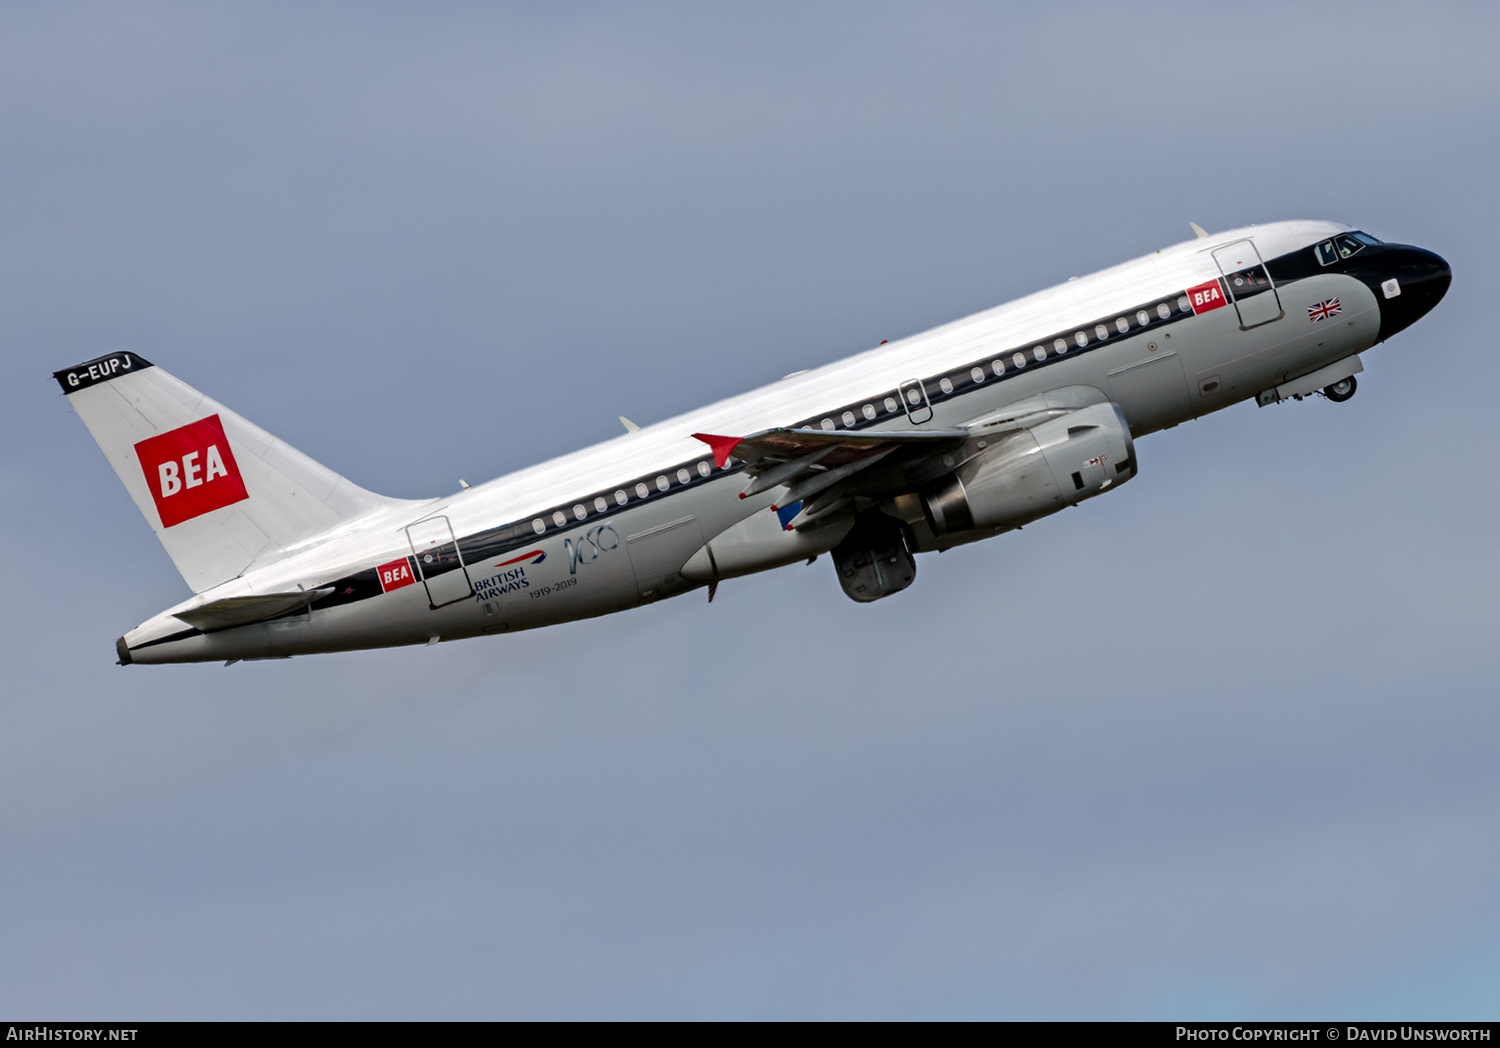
column 510, row 580
column 535, row 556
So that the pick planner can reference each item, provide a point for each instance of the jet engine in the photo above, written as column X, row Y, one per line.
column 1035, row 472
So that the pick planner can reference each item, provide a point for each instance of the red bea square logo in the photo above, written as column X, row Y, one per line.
column 395, row 575
column 1206, row 296
column 191, row 471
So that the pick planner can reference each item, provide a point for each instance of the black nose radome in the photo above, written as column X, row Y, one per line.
column 1407, row 282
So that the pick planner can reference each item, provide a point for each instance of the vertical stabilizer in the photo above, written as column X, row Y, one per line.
column 221, row 493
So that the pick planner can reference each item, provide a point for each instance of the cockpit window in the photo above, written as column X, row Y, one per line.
column 1347, row 245
column 1342, row 246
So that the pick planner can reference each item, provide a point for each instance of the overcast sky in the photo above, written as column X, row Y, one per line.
column 1219, row 745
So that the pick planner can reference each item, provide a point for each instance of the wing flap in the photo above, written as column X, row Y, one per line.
column 810, row 462
column 842, row 446
column 786, row 471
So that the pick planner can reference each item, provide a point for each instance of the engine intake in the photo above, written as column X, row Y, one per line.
column 1035, row 472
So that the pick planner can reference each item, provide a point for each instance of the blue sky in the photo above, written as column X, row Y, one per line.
column 1220, row 745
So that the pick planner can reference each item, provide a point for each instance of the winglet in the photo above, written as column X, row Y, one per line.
column 1198, row 231
column 722, row 447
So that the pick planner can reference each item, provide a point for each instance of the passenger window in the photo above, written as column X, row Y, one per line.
column 600, row 505
column 621, row 498
column 848, row 418
column 977, row 374
column 683, row 476
column 945, row 385
column 890, row 405
column 869, row 410
column 1059, row 344
column 704, row 469
column 641, row 491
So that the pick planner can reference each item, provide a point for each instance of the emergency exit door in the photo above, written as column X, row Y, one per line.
column 914, row 399
column 439, row 562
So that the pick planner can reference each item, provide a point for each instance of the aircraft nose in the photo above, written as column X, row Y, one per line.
column 1407, row 283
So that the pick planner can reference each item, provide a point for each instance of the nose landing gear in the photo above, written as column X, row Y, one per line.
column 1341, row 390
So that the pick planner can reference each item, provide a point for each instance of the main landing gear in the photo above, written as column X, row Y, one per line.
column 1341, row 390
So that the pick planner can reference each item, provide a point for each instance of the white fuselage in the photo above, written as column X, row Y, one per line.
column 612, row 526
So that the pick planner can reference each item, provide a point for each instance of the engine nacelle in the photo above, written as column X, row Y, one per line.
column 1035, row 472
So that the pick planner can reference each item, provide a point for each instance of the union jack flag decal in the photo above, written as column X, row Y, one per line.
column 1324, row 310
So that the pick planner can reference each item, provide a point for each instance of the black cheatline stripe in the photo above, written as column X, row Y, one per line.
column 508, row 537
column 361, row 585
column 960, row 381
column 1034, row 354
column 512, row 536
column 181, row 635
column 491, row 542
column 519, row 533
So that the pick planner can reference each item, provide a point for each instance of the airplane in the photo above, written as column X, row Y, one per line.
column 961, row 433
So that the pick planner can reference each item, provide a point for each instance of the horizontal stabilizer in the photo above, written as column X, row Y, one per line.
column 241, row 611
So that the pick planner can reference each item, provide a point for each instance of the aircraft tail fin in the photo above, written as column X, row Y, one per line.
column 221, row 493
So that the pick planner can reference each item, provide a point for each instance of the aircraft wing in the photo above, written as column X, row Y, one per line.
column 824, row 469
column 818, row 466
column 838, row 446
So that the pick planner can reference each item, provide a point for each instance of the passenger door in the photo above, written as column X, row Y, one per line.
column 439, row 562
column 1249, row 283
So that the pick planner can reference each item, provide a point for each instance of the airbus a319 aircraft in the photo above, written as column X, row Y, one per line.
column 953, row 435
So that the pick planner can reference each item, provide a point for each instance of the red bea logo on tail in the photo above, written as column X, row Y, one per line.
column 191, row 471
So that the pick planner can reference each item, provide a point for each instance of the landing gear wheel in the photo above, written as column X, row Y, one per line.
column 1341, row 390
